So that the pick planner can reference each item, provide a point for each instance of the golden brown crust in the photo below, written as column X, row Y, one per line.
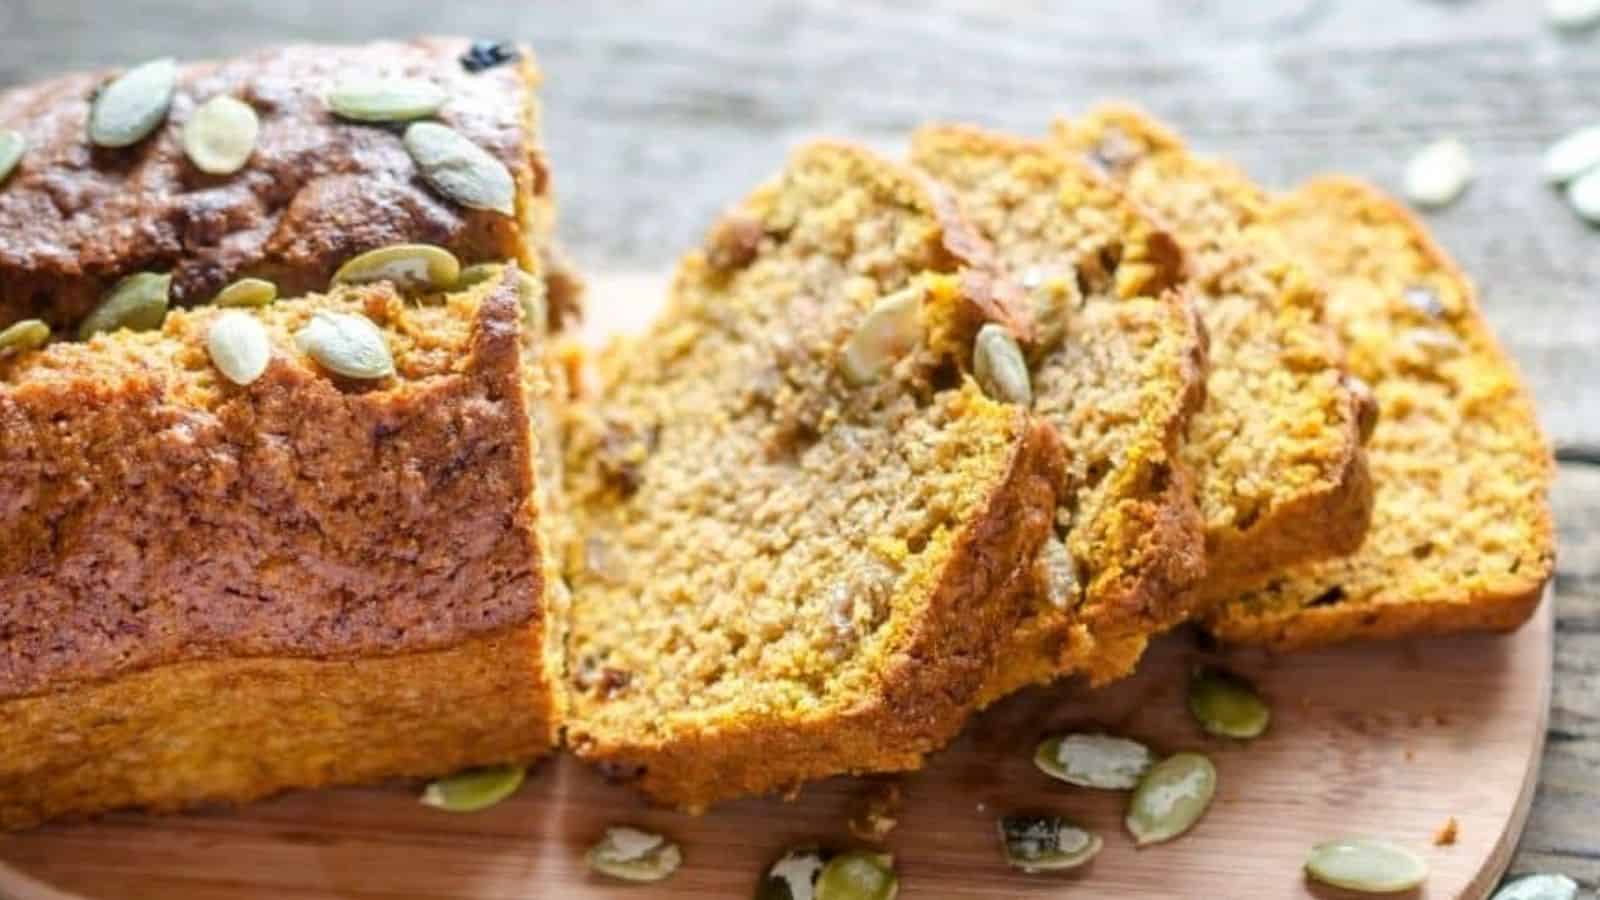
column 233, row 730
column 1463, row 538
column 926, row 685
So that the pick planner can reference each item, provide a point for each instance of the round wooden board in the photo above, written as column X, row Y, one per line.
column 1389, row 740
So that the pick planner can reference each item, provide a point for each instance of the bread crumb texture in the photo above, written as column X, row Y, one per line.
column 1117, row 363
column 783, row 574
column 1277, row 447
column 1462, row 536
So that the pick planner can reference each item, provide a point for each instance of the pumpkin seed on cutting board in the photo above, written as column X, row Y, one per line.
column 385, row 99
column 133, row 105
column 407, row 265
column 1572, row 155
column 1438, row 173
column 1538, row 886
column 474, row 789
column 1366, row 865
column 1227, row 705
column 460, row 169
column 137, row 303
column 1094, row 761
column 221, row 135
column 238, row 347
column 858, row 875
column 630, row 854
column 1171, row 798
column 890, row 329
column 1572, row 15
column 1583, row 195
column 20, row 337
column 794, row 875
column 999, row 366
column 1046, row 843
column 347, row 344
column 12, row 146
column 247, row 292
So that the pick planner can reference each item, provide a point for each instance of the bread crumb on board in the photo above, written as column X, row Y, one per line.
column 1446, row 835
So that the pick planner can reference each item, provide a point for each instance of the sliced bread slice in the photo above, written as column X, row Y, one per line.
column 798, row 512
column 1462, row 536
column 1117, row 365
column 1277, row 449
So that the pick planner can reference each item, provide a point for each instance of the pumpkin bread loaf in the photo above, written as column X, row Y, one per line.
column 1117, row 363
column 1277, row 449
column 211, row 591
column 1462, row 536
column 798, row 510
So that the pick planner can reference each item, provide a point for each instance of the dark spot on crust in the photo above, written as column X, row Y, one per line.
column 488, row 54
column 618, row 771
column 733, row 242
column 1328, row 597
column 613, row 681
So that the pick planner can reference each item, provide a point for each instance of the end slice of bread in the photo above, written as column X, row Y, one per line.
column 792, row 565
column 1118, row 362
column 1277, row 449
column 1462, row 536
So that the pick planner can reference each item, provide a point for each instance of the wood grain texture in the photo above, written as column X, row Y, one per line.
column 659, row 114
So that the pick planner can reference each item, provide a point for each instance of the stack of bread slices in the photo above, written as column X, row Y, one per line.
column 907, row 436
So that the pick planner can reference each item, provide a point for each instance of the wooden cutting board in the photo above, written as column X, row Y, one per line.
column 1386, row 740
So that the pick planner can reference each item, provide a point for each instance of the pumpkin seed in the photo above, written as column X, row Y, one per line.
column 476, row 274
column 998, row 364
column 460, row 169
column 1046, row 843
column 890, row 329
column 137, row 303
column 794, row 876
column 133, row 104
column 1540, row 886
column 20, row 337
column 12, row 146
column 1572, row 15
column 347, row 344
column 858, row 876
column 1573, row 155
column 221, row 135
column 473, row 789
column 1366, row 865
column 1438, row 173
column 385, row 99
column 1170, row 798
column 246, row 292
column 1094, row 761
column 1059, row 571
column 1583, row 195
column 407, row 265
column 633, row 855
column 1227, row 705
column 238, row 347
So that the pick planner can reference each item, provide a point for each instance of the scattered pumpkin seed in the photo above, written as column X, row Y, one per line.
column 1366, row 865
column 858, row 875
column 20, row 337
column 1227, row 705
column 238, row 347
column 1573, row 155
column 1060, row 572
column 221, row 135
column 1046, row 843
column 1572, row 15
column 633, row 855
column 12, row 146
column 1539, row 886
column 385, row 99
column 1170, row 798
column 1583, row 195
column 1094, row 761
column 407, row 265
column 347, row 344
column 794, row 876
column 460, row 169
column 999, row 366
column 890, row 329
column 474, row 789
column 246, row 292
column 1438, row 173
column 132, row 105
column 137, row 303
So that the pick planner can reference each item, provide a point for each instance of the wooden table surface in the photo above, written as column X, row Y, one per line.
column 658, row 114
